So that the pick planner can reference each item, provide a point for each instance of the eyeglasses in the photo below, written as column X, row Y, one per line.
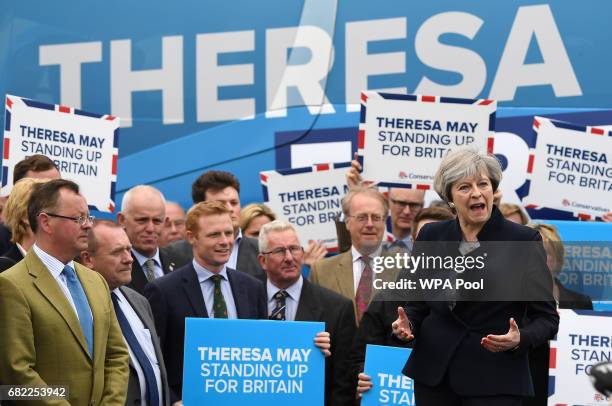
column 295, row 251
column 363, row 218
column 402, row 204
column 81, row 220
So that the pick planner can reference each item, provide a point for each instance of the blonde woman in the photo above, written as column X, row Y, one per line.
column 253, row 217
column 16, row 218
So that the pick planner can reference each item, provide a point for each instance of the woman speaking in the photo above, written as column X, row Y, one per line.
column 470, row 349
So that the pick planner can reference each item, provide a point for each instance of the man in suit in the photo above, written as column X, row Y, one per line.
column 223, row 187
column 350, row 273
column 109, row 253
column 143, row 215
column 58, row 322
column 404, row 205
column 174, row 229
column 290, row 297
column 206, row 287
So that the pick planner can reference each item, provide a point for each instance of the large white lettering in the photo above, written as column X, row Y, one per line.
column 210, row 76
column 555, row 70
column 298, row 61
column 69, row 57
column 281, row 75
column 360, row 64
column 168, row 79
column 451, row 58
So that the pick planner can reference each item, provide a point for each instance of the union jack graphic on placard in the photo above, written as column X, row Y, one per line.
column 408, row 158
column 558, row 146
column 83, row 145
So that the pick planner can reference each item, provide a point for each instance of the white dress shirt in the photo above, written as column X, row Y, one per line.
column 208, row 290
column 358, row 265
column 291, row 301
column 143, row 335
column 157, row 269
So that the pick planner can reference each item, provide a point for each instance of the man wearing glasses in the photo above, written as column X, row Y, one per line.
column 58, row 322
column 205, row 287
column 350, row 273
column 404, row 205
column 290, row 297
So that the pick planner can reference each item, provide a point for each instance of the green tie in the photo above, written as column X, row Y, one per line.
column 219, row 306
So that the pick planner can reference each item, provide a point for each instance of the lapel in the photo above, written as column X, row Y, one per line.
column 344, row 275
column 136, row 307
column 48, row 287
column 191, row 287
column 308, row 307
column 166, row 265
column 239, row 293
column 139, row 280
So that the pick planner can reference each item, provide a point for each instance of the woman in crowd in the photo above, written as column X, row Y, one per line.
column 555, row 253
column 253, row 217
column 16, row 218
column 475, row 351
column 514, row 213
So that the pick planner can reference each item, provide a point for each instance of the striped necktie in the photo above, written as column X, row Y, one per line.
column 149, row 266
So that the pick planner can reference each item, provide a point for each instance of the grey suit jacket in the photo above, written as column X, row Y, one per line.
column 143, row 309
column 180, row 253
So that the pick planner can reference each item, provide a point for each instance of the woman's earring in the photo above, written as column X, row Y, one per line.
column 451, row 205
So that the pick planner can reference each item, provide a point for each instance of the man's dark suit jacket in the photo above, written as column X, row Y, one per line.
column 448, row 341
column 320, row 304
column 178, row 295
column 139, row 279
column 5, row 239
column 375, row 328
column 10, row 257
column 181, row 253
column 142, row 308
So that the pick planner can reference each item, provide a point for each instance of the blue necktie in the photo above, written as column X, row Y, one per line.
column 143, row 360
column 82, row 306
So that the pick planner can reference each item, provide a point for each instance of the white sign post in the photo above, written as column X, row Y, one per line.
column 403, row 138
column 83, row 145
column 570, row 168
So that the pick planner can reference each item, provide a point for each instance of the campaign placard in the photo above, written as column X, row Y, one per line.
column 252, row 362
column 384, row 365
column 570, row 168
column 403, row 138
column 83, row 145
column 584, row 339
column 309, row 198
column 587, row 265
